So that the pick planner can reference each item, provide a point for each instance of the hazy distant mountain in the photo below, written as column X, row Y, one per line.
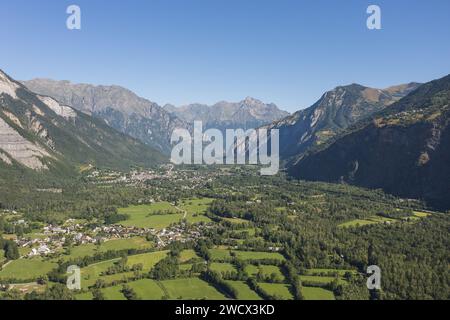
column 246, row 114
column 335, row 111
column 119, row 107
column 404, row 149
column 39, row 133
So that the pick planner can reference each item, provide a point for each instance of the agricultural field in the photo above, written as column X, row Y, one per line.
column 195, row 205
column 143, row 216
column 314, row 293
column 220, row 254
column 321, row 280
column 187, row 255
column 225, row 254
column 255, row 255
column 277, row 289
column 222, row 267
column 244, row 291
column 191, row 288
column 113, row 293
column 28, row 287
column 235, row 220
column 114, row 245
column 84, row 296
column 325, row 272
column 148, row 260
column 2, row 256
column 147, row 289
column 367, row 221
column 26, row 269
column 266, row 270
column 91, row 273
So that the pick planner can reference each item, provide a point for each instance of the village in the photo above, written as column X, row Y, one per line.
column 54, row 238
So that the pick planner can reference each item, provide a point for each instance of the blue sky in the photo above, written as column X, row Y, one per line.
column 184, row 51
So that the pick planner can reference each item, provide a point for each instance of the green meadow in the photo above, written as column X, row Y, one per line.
column 115, row 245
column 314, row 293
column 367, row 221
column 244, row 291
column 113, row 293
column 26, row 269
column 321, row 280
column 277, row 289
column 147, row 289
column 187, row 255
column 222, row 267
column 266, row 270
column 144, row 216
column 191, row 289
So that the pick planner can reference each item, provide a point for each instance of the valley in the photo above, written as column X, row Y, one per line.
column 201, row 232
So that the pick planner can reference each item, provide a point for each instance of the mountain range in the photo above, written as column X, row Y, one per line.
column 335, row 111
column 147, row 121
column 403, row 149
column 39, row 133
column 118, row 107
column 246, row 114
column 396, row 138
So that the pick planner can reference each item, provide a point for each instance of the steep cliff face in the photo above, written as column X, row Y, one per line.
column 39, row 133
column 404, row 150
column 119, row 107
column 335, row 111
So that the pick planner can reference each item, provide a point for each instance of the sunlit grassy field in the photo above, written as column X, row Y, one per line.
column 191, row 288
column 313, row 293
column 26, row 269
column 244, row 291
column 278, row 289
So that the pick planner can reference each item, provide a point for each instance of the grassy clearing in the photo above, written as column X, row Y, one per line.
column 257, row 255
column 84, row 296
column 91, row 273
column 195, row 205
column 321, row 280
column 143, row 216
column 147, row 289
column 113, row 293
column 26, row 269
column 235, row 220
column 319, row 271
column 277, row 289
column 187, row 255
column 313, row 293
column 114, row 245
column 222, row 267
column 191, row 289
column 367, row 221
column 224, row 254
column 244, row 291
column 220, row 254
column 266, row 270
column 147, row 259
column 2, row 255
column 421, row 214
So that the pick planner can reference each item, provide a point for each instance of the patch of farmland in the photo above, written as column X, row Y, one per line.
column 244, row 291
column 314, row 293
column 277, row 289
column 191, row 288
column 222, row 267
column 147, row 289
column 26, row 269
column 113, row 293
